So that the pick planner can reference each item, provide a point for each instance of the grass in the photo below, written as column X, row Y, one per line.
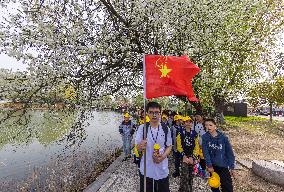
column 255, row 125
column 244, row 119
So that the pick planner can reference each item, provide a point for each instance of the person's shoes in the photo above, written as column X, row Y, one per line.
column 125, row 159
column 176, row 174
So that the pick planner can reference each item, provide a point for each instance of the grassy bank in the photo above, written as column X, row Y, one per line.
column 70, row 173
column 100, row 168
column 255, row 138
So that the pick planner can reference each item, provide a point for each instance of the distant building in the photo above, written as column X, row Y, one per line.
column 236, row 109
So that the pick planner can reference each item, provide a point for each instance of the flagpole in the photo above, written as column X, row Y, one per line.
column 144, row 129
column 145, row 132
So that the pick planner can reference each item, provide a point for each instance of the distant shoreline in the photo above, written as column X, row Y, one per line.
column 37, row 106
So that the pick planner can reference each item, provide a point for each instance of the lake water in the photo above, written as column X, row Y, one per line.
column 50, row 142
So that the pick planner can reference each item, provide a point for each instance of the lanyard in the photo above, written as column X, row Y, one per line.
column 155, row 140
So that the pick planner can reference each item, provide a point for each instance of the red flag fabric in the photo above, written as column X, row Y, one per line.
column 169, row 75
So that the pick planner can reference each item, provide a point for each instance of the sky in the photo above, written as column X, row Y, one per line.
column 11, row 63
column 7, row 62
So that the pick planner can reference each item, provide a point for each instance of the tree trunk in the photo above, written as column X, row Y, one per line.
column 270, row 109
column 219, row 115
column 219, row 102
column 196, row 105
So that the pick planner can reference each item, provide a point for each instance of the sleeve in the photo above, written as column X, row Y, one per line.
column 136, row 151
column 200, row 140
column 229, row 153
column 120, row 129
column 139, row 135
column 196, row 147
column 169, row 138
column 179, row 145
column 172, row 135
column 206, row 152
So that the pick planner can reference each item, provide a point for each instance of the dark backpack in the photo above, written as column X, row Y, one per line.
column 192, row 137
column 165, row 129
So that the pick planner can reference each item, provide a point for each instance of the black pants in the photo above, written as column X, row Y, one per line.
column 225, row 178
column 177, row 161
column 161, row 185
column 186, row 178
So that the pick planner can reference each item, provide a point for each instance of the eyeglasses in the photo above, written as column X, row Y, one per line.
column 154, row 113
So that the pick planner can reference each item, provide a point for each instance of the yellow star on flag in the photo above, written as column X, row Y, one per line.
column 165, row 71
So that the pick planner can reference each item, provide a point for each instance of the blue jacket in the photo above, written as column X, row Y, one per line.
column 126, row 129
column 174, row 133
column 217, row 150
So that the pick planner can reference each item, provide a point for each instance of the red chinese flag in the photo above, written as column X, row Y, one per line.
column 169, row 75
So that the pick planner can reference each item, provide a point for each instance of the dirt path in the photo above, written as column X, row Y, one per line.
column 126, row 179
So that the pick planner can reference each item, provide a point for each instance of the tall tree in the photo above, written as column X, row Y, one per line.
column 97, row 46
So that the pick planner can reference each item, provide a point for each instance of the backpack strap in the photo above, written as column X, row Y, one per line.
column 166, row 130
column 172, row 134
column 182, row 135
column 147, row 128
column 194, row 124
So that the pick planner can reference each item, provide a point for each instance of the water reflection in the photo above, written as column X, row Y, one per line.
column 66, row 144
column 44, row 126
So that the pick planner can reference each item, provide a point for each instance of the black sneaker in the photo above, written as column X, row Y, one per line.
column 176, row 174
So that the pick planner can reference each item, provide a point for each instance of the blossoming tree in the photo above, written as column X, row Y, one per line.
column 97, row 46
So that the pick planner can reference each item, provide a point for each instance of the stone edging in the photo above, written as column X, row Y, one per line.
column 245, row 163
column 261, row 169
column 102, row 178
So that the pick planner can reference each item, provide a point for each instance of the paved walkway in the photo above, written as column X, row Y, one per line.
column 125, row 178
